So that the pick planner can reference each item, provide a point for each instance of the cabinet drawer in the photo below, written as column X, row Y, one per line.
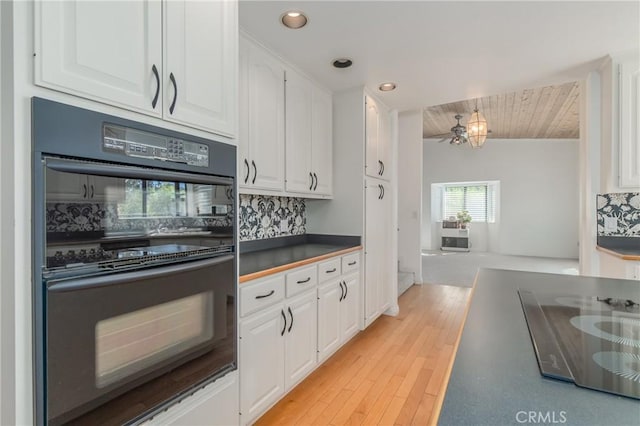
column 328, row 269
column 264, row 292
column 301, row 279
column 351, row 262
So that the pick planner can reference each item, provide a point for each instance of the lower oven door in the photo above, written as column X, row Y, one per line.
column 172, row 326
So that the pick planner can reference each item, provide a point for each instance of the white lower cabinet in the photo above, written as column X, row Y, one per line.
column 277, row 349
column 338, row 313
column 216, row 404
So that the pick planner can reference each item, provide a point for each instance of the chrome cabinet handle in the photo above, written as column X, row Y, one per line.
column 157, row 76
column 304, row 281
column 291, row 314
column 175, row 93
column 255, row 171
column 262, row 296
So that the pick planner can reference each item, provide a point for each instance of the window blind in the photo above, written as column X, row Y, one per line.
column 473, row 198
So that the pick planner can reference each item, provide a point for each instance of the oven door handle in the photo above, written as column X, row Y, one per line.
column 109, row 170
column 119, row 278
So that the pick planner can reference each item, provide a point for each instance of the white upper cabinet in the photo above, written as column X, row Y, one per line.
column 172, row 59
column 377, row 139
column 629, row 122
column 309, row 168
column 261, row 130
column 200, row 64
column 103, row 50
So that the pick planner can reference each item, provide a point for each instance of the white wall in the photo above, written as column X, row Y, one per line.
column 410, row 192
column 538, row 206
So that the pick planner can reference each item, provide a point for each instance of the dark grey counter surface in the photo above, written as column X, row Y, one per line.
column 263, row 255
column 495, row 376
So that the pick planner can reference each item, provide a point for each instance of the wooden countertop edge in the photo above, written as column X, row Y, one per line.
column 619, row 255
column 275, row 270
column 441, row 394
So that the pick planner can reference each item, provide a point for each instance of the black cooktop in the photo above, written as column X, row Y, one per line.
column 591, row 341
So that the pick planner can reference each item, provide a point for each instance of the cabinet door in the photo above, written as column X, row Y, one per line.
column 266, row 120
column 350, row 307
column 384, row 256
column 298, row 133
column 200, row 79
column 629, row 75
column 244, row 167
column 103, row 188
column 329, row 319
column 374, row 238
column 66, row 186
column 261, row 361
column 300, row 338
column 384, row 144
column 101, row 50
column 372, row 133
column 322, row 142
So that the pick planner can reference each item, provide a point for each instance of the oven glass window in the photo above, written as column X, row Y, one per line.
column 129, row 343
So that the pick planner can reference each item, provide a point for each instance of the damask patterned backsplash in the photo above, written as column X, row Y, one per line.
column 625, row 207
column 260, row 217
column 86, row 217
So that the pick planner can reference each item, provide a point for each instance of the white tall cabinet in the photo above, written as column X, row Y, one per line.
column 173, row 59
column 629, row 121
column 261, row 130
column 364, row 198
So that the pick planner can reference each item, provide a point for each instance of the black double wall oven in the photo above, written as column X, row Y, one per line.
column 134, row 265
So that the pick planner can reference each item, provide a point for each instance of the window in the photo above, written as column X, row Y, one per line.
column 478, row 198
column 151, row 198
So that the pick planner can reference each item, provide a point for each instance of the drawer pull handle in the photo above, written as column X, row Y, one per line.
column 262, row 296
column 331, row 271
column 352, row 263
column 341, row 292
column 346, row 289
column 304, row 281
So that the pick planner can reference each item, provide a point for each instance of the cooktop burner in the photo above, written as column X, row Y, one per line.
column 591, row 341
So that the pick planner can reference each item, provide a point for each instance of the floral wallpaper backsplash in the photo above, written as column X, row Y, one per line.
column 625, row 207
column 261, row 216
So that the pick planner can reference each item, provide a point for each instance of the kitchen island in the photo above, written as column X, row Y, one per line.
column 495, row 378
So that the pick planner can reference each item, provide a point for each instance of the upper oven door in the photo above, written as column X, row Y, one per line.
column 94, row 211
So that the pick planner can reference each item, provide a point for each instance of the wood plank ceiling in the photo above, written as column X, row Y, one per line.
column 549, row 112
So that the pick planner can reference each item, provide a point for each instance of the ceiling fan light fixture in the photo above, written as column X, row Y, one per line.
column 293, row 19
column 477, row 129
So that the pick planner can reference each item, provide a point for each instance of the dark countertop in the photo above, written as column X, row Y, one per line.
column 265, row 257
column 495, row 374
column 626, row 248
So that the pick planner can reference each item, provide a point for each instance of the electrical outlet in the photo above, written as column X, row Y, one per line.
column 610, row 224
column 284, row 226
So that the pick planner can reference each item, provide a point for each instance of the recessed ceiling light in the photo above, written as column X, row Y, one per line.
column 294, row 19
column 387, row 87
column 342, row 63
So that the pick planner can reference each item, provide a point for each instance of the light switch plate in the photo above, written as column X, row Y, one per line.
column 610, row 224
column 284, row 226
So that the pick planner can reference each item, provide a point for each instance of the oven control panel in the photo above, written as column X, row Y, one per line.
column 136, row 143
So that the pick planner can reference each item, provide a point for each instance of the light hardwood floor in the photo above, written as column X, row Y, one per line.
column 391, row 373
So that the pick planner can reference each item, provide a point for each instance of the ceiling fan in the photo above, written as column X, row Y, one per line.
column 458, row 134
